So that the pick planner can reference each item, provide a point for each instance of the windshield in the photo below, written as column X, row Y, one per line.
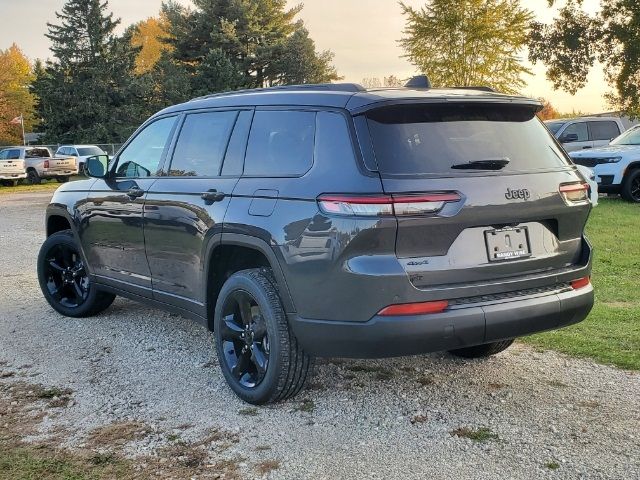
column 461, row 138
column 38, row 153
column 630, row 137
column 555, row 126
column 89, row 151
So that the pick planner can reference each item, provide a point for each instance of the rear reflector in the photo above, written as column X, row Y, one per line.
column 575, row 192
column 383, row 205
column 414, row 308
column 580, row 283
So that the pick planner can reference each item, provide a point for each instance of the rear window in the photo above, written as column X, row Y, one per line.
column 38, row 153
column 86, row 151
column 444, row 139
column 555, row 126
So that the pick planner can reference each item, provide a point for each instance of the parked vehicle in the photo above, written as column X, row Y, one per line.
column 585, row 132
column 590, row 177
column 40, row 164
column 434, row 219
column 12, row 168
column 617, row 166
column 79, row 152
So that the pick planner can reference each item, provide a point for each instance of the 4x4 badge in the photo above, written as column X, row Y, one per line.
column 522, row 193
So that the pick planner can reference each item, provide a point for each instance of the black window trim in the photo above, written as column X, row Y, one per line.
column 160, row 171
column 166, row 168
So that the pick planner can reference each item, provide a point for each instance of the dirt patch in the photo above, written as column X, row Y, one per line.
column 118, row 434
column 268, row 466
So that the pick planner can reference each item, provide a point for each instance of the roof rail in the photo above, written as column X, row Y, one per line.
column 481, row 88
column 329, row 87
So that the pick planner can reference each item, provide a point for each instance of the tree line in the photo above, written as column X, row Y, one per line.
column 99, row 85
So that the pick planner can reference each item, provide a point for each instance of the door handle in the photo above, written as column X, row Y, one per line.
column 212, row 196
column 586, row 148
column 135, row 193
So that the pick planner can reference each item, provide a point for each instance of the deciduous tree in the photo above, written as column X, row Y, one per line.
column 571, row 45
column 16, row 76
column 149, row 37
column 468, row 42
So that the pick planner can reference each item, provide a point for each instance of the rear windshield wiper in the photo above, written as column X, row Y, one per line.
column 488, row 164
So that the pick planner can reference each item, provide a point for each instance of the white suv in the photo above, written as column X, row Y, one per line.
column 80, row 152
column 616, row 166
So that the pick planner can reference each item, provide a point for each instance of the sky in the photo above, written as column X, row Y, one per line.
column 363, row 35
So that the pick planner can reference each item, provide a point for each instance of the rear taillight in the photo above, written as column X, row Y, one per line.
column 574, row 193
column 580, row 283
column 383, row 205
column 46, row 164
column 421, row 308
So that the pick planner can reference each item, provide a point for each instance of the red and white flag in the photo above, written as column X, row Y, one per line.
column 16, row 121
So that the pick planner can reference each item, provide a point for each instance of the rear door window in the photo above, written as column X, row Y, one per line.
column 604, row 130
column 202, row 144
column 280, row 144
column 455, row 139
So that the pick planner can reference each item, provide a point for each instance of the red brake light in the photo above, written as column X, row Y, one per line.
column 580, row 283
column 46, row 164
column 422, row 308
column 381, row 205
column 575, row 192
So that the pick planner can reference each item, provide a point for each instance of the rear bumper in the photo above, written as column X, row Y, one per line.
column 13, row 176
column 455, row 328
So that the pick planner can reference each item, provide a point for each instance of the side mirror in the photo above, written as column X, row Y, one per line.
column 569, row 137
column 96, row 166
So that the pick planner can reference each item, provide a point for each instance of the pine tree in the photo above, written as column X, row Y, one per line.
column 89, row 93
column 227, row 44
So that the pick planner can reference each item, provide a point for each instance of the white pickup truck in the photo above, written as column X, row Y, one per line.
column 39, row 164
column 12, row 168
column 617, row 165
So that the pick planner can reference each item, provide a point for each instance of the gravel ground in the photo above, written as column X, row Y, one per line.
column 554, row 416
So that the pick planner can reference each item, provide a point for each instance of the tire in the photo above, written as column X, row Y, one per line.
column 631, row 186
column 9, row 183
column 480, row 351
column 66, row 286
column 62, row 179
column 33, row 178
column 286, row 366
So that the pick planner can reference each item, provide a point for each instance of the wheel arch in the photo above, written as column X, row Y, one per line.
column 234, row 252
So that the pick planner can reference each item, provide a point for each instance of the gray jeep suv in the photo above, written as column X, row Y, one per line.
column 329, row 220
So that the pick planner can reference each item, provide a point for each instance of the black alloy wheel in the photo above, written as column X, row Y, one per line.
column 245, row 340
column 66, row 277
column 260, row 357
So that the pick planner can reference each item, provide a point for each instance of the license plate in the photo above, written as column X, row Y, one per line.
column 507, row 244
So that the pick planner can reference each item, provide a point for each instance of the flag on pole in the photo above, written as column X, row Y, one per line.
column 16, row 121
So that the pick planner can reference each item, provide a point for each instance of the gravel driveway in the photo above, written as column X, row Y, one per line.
column 522, row 414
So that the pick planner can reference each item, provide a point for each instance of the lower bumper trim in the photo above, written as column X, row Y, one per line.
column 455, row 328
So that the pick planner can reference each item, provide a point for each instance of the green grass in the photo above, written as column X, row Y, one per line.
column 611, row 333
column 29, row 463
column 45, row 186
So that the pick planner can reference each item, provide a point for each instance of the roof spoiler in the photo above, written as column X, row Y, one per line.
column 419, row 81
